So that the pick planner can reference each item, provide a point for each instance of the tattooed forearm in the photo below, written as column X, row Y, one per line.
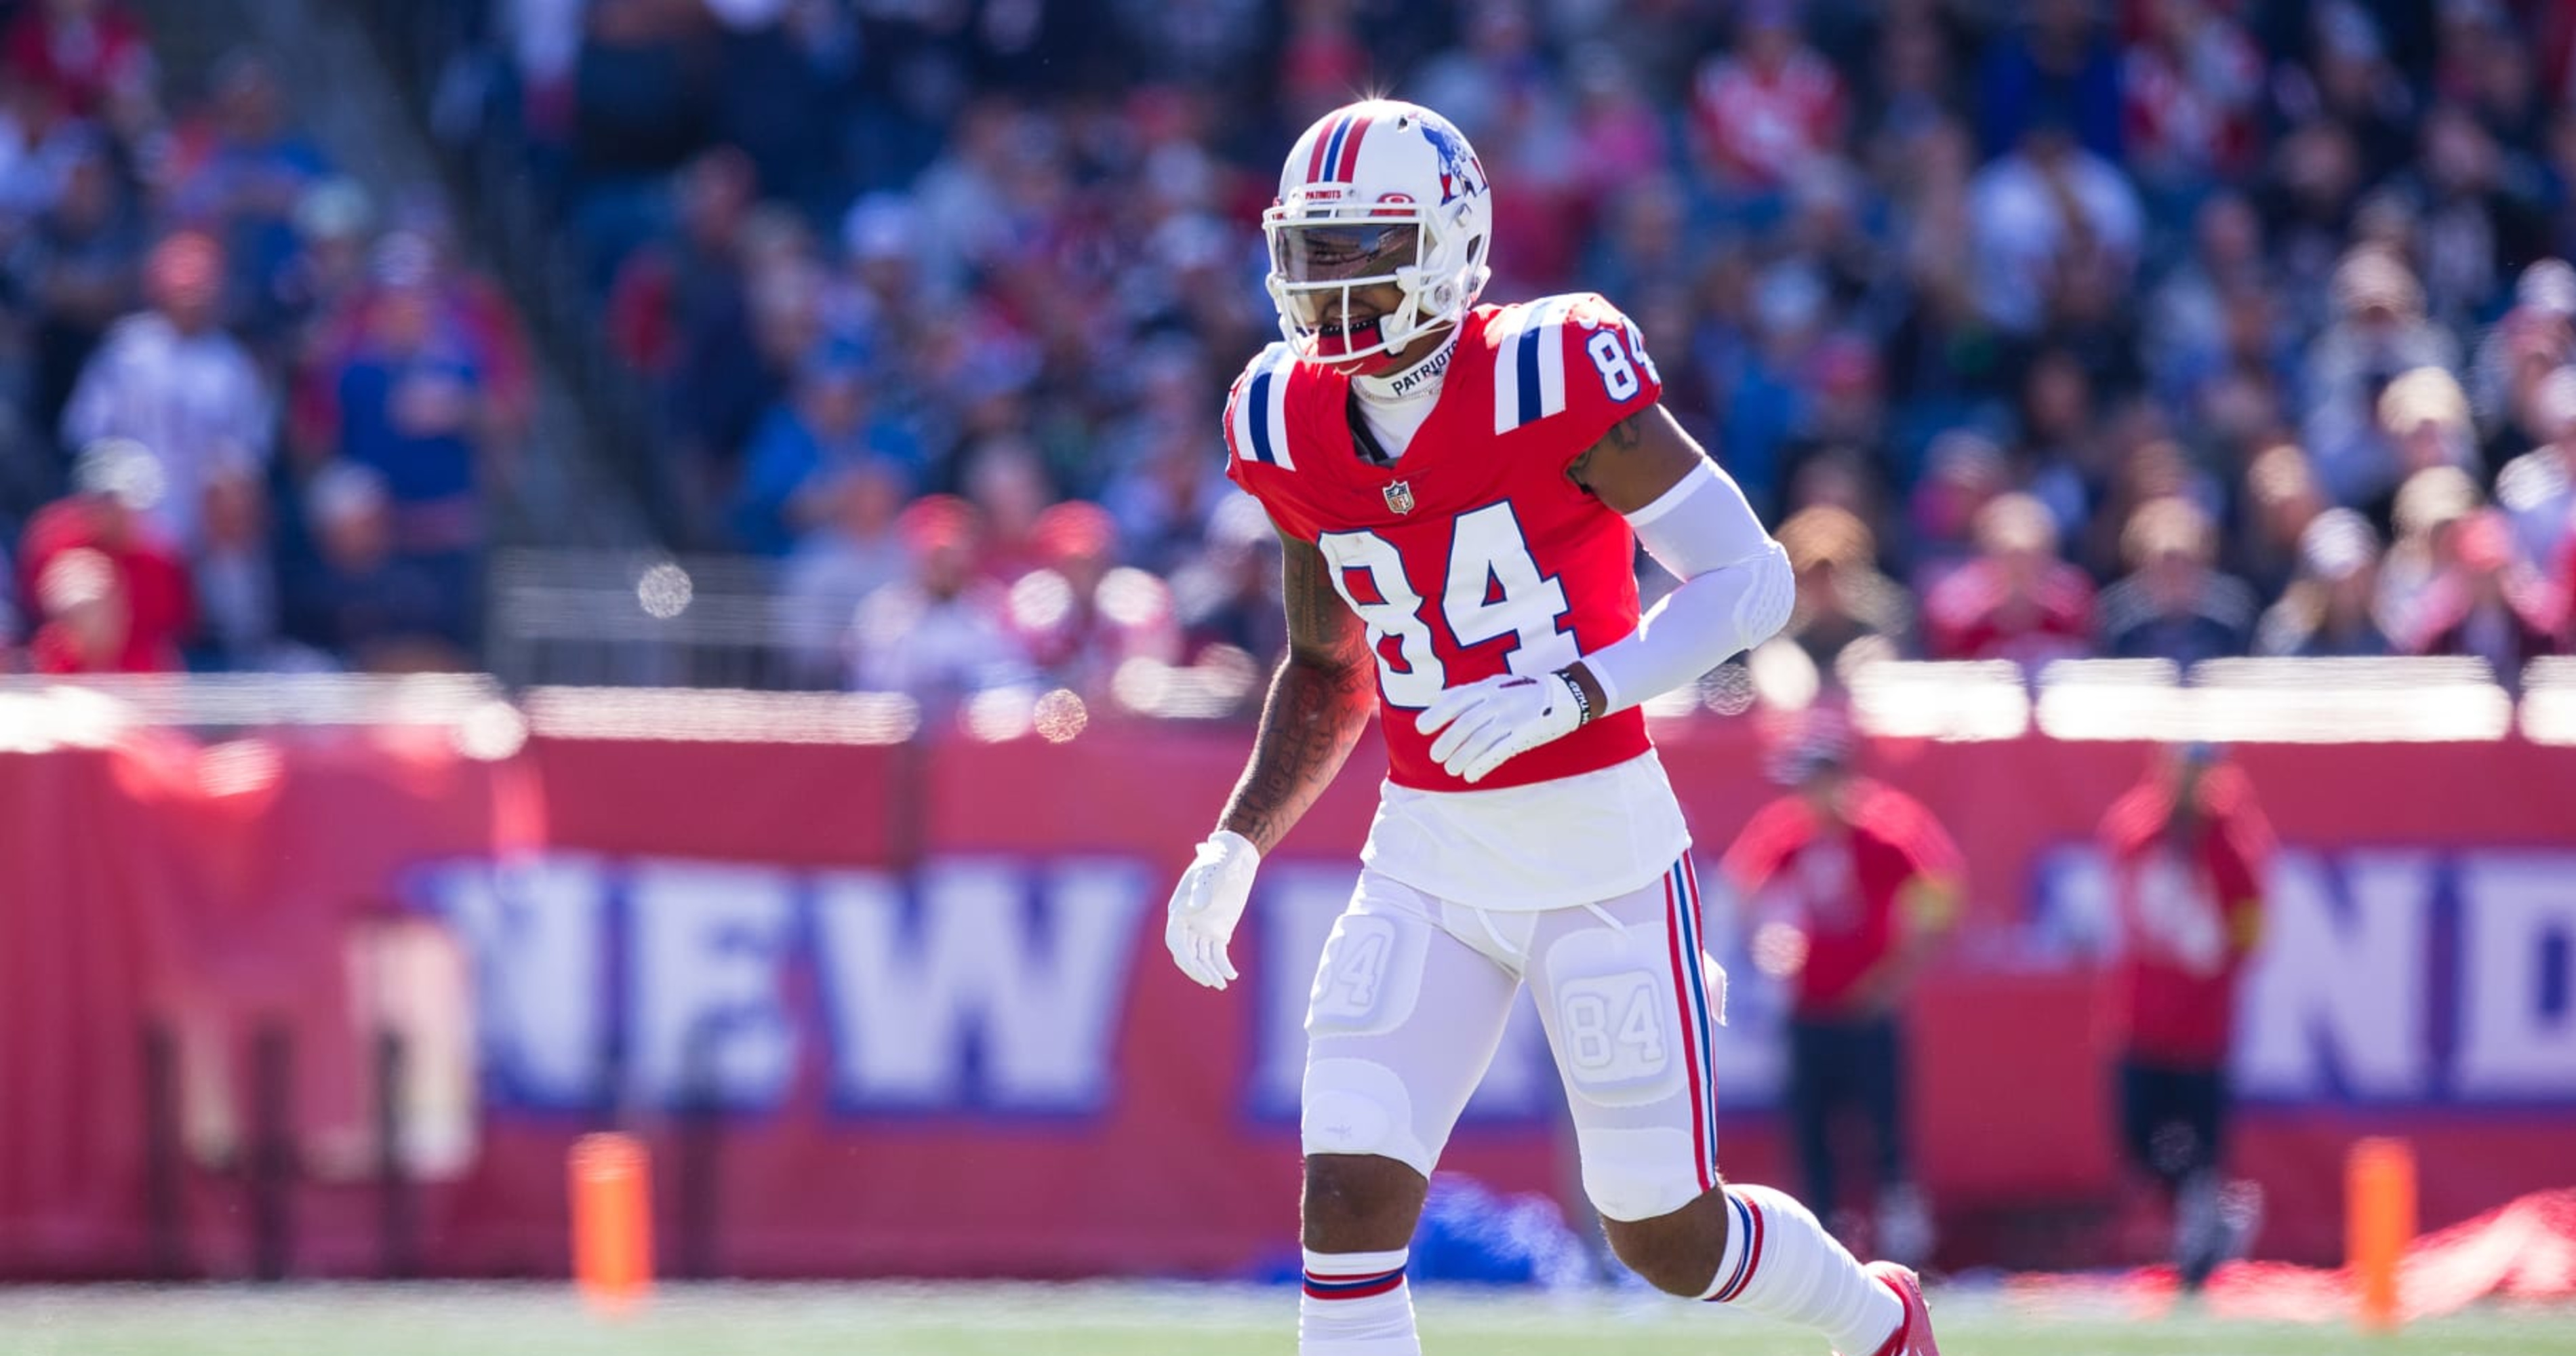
column 1319, row 700
column 1313, row 717
column 1622, row 437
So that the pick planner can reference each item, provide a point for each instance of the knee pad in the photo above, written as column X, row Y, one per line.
column 1358, row 1106
column 1640, row 1173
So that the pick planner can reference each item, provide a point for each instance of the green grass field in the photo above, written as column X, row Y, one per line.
column 1098, row 1320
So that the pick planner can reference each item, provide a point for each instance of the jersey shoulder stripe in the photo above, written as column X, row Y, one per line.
column 1529, row 361
column 1257, row 423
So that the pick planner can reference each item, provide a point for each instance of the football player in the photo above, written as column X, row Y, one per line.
column 1459, row 489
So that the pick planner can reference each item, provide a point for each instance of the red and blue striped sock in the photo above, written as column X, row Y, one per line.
column 1356, row 1304
column 1780, row 1263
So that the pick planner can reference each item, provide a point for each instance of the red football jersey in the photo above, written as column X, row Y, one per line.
column 1474, row 553
column 1845, row 886
column 2189, row 910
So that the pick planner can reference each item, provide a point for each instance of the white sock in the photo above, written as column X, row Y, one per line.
column 1356, row 1304
column 1780, row 1263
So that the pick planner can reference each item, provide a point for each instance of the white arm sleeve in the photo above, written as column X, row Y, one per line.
column 1736, row 590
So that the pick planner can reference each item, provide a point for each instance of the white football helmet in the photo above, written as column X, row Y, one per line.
column 1379, row 192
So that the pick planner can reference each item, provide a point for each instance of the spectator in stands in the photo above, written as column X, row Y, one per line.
column 1848, row 613
column 2477, row 216
column 1963, row 473
column 853, row 551
column 680, row 311
column 2516, row 356
column 784, row 70
column 2017, row 599
column 941, row 633
column 2189, row 851
column 1080, row 615
column 366, row 600
column 2192, row 85
column 2330, row 606
column 149, row 597
column 241, row 170
column 91, row 58
column 2152, row 469
column 75, row 269
column 2428, row 511
column 2424, row 417
column 2280, row 498
column 344, row 271
column 1762, row 111
column 1005, row 477
column 2059, row 68
column 236, row 585
column 2186, row 334
column 2487, row 603
column 640, row 106
column 2537, row 490
column 2379, row 333
column 2045, row 215
column 2174, row 604
column 413, row 408
column 1856, row 885
column 2065, row 447
column 829, row 426
column 171, row 378
column 87, row 625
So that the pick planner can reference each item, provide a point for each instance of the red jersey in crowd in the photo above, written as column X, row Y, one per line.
column 160, row 601
column 1846, row 883
column 2190, row 906
column 1985, row 610
column 81, row 60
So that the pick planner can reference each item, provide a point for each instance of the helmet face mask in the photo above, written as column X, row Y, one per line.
column 1339, row 284
column 1379, row 234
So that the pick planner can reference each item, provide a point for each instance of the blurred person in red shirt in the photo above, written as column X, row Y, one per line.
column 85, row 618
column 2188, row 848
column 1764, row 108
column 2017, row 598
column 91, row 55
column 2488, row 603
column 115, row 482
column 1081, row 614
column 1869, row 883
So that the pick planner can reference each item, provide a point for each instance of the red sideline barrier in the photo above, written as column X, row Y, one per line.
column 932, row 990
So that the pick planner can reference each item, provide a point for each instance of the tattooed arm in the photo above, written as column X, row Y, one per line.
column 1319, row 699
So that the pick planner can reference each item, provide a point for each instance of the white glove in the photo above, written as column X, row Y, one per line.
column 1489, row 721
column 1207, row 904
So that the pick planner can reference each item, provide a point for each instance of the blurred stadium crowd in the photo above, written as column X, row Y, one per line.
column 247, row 409
column 2159, row 329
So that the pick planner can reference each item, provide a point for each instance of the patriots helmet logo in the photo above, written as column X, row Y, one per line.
column 1460, row 171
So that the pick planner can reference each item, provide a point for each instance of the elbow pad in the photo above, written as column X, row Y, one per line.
column 1737, row 590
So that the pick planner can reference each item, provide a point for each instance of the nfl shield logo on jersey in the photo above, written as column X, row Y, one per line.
column 1399, row 496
